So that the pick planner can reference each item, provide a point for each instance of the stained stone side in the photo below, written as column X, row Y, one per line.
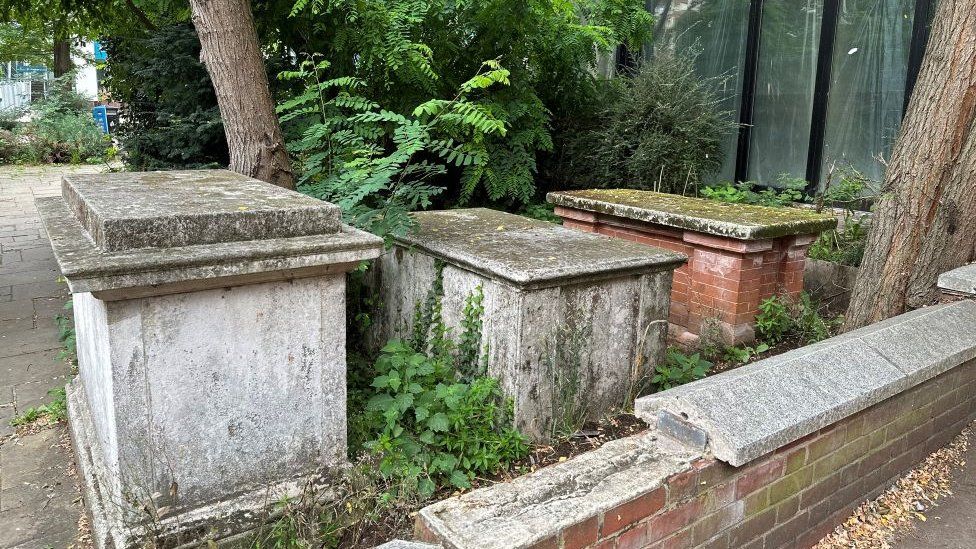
column 565, row 313
column 598, row 339
column 211, row 363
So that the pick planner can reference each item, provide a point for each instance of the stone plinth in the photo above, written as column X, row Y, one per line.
column 738, row 254
column 572, row 321
column 960, row 281
column 210, row 318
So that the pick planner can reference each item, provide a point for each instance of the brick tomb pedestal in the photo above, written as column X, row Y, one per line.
column 738, row 254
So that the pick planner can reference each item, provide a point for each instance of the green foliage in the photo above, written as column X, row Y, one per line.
column 542, row 211
column 342, row 152
column 60, row 130
column 679, row 368
column 67, row 335
column 660, row 128
column 846, row 244
column 743, row 353
column 774, row 321
column 746, row 192
column 53, row 412
column 170, row 118
column 431, row 415
column 780, row 318
column 404, row 59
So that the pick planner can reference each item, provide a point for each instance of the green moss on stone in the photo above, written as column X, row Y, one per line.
column 742, row 221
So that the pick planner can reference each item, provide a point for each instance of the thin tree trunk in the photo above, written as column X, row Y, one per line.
column 232, row 55
column 925, row 220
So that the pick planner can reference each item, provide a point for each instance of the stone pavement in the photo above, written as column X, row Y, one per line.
column 952, row 524
column 39, row 501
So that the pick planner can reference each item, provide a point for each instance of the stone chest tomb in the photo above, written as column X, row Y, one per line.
column 210, row 318
column 738, row 254
column 572, row 321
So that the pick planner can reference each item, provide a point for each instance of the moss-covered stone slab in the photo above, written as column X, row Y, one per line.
column 527, row 252
column 739, row 221
column 129, row 210
column 210, row 224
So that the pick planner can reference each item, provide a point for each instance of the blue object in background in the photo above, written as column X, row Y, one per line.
column 100, row 54
column 100, row 113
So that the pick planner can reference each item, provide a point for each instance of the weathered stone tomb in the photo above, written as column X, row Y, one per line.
column 572, row 321
column 210, row 317
column 738, row 254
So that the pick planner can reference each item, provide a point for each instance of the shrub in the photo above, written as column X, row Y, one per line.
column 61, row 129
column 170, row 118
column 405, row 53
column 678, row 369
column 11, row 148
column 659, row 128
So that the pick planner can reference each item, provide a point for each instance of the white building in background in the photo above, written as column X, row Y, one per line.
column 86, row 75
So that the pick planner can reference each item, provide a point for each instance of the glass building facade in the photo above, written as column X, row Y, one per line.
column 813, row 83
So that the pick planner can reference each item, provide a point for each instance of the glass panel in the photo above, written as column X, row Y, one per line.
column 787, row 70
column 715, row 31
column 867, row 85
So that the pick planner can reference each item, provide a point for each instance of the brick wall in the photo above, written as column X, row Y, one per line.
column 790, row 498
column 724, row 280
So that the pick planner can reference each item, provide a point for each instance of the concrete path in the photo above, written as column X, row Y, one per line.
column 951, row 525
column 39, row 501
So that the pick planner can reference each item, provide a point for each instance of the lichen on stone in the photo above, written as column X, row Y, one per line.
column 742, row 221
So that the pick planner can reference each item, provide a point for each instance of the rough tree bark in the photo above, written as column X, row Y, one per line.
column 62, row 57
column 925, row 220
column 232, row 55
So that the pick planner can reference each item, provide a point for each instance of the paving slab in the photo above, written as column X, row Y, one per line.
column 39, row 500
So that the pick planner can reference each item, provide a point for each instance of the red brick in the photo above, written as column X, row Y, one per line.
column 581, row 534
column 759, row 475
column 635, row 538
column 682, row 486
column 552, row 542
column 673, row 520
column 626, row 514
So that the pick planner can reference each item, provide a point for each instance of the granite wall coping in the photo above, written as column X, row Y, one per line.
column 165, row 209
column 751, row 411
column 527, row 510
column 738, row 221
column 529, row 253
column 961, row 280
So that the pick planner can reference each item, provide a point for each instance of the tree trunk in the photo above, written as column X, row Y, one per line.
column 925, row 219
column 62, row 57
column 230, row 51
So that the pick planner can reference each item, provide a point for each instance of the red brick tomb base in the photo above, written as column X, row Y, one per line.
column 738, row 254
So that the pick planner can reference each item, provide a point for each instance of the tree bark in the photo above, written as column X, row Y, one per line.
column 232, row 55
column 925, row 219
column 62, row 57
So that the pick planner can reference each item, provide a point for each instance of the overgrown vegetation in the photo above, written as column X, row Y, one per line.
column 171, row 119
column 58, row 129
column 846, row 188
column 56, row 410
column 679, row 368
column 790, row 190
column 659, row 128
column 781, row 318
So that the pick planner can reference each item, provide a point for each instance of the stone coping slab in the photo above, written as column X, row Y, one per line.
column 739, row 221
column 129, row 210
column 961, row 280
column 751, row 411
column 89, row 268
column 527, row 252
column 528, row 509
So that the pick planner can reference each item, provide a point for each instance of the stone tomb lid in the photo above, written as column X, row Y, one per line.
column 130, row 210
column 527, row 252
column 239, row 237
column 739, row 221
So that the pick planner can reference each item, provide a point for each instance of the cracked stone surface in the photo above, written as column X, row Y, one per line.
column 39, row 504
